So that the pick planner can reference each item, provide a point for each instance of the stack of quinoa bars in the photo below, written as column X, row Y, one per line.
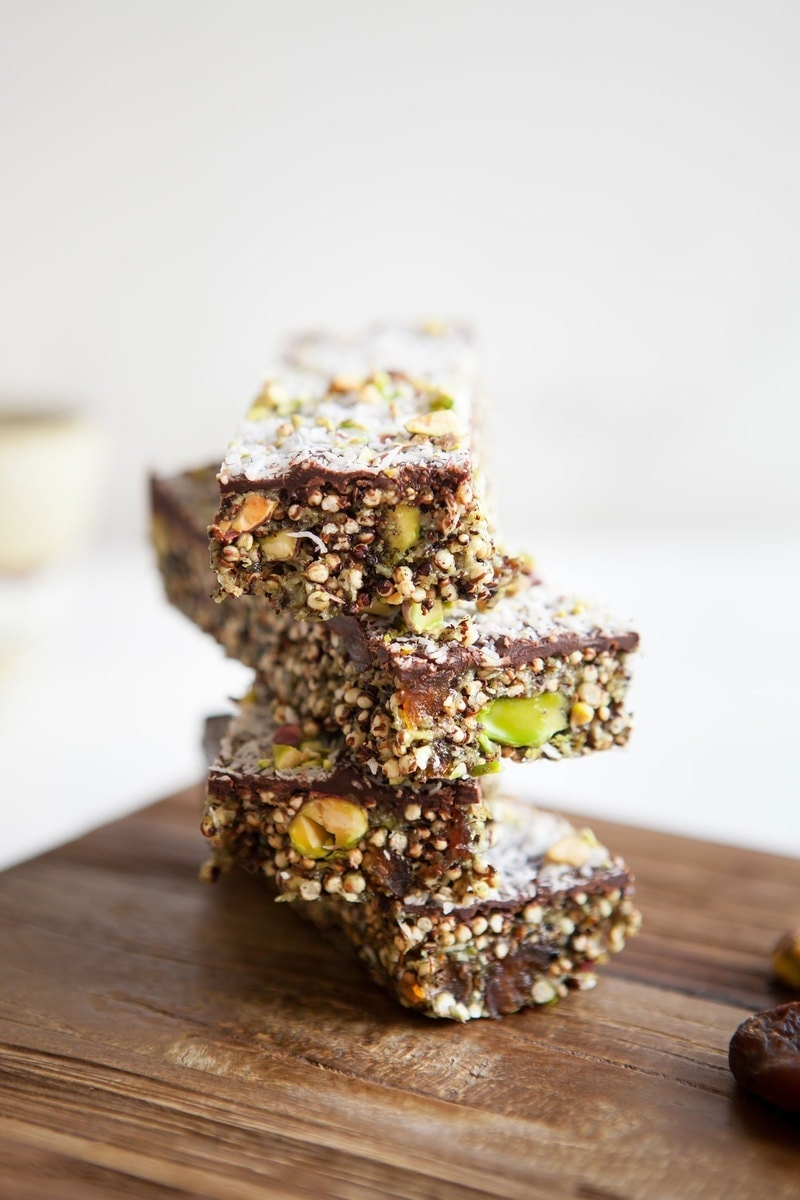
column 400, row 659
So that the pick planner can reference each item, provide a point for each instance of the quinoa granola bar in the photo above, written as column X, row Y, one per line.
column 354, row 483
column 537, row 675
column 561, row 905
column 294, row 807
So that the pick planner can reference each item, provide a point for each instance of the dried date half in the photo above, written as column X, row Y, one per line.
column 764, row 1055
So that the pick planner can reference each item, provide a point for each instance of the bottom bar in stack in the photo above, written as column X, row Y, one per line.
column 562, row 905
column 558, row 905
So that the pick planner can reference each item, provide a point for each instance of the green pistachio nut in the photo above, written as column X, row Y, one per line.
column 525, row 720
column 401, row 529
column 486, row 768
column 272, row 401
column 486, row 744
column 286, row 758
column 379, row 609
column 259, row 412
column 326, row 824
column 420, row 621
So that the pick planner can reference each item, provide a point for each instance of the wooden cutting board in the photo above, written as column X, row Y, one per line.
column 162, row 1038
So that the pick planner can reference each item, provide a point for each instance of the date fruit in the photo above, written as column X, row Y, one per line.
column 764, row 1055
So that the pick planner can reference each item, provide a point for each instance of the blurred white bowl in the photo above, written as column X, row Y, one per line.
column 49, row 465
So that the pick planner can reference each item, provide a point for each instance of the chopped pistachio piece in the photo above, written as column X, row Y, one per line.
column 525, row 720
column 379, row 609
column 326, row 824
column 486, row 768
column 487, row 745
column 420, row 621
column 272, row 399
column 438, row 423
column 309, row 838
column 286, row 758
column 402, row 526
column 260, row 412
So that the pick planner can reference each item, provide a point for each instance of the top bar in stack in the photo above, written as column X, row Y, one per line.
column 354, row 486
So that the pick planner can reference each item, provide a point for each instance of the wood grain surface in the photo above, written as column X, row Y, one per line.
column 162, row 1038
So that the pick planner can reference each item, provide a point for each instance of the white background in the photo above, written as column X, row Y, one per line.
column 609, row 191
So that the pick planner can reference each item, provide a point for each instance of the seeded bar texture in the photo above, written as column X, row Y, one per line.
column 562, row 904
column 181, row 508
column 294, row 807
column 353, row 483
column 539, row 675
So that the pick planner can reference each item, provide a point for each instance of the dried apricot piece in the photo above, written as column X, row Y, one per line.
column 786, row 960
